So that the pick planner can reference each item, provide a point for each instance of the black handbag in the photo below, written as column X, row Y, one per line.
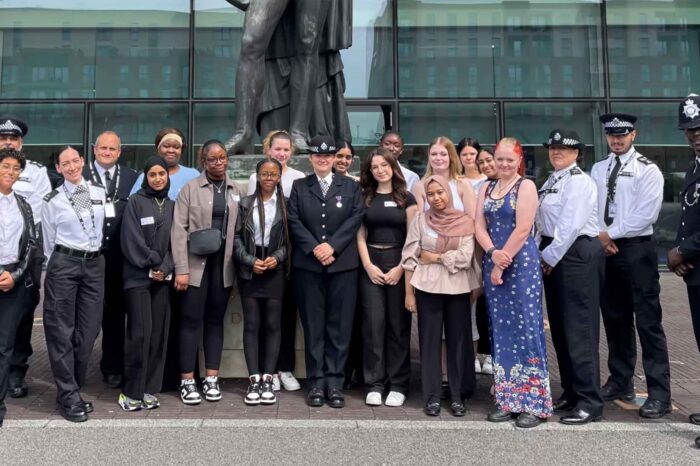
column 208, row 241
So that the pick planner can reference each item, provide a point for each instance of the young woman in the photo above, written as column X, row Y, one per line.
column 468, row 149
column 513, row 286
column 343, row 160
column 386, row 326
column 209, row 202
column 487, row 164
column 437, row 260
column 17, row 250
column 278, row 145
column 148, row 268
column 261, row 251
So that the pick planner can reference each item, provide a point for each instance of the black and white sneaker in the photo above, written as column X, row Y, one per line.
column 211, row 389
column 267, row 393
column 252, row 397
column 188, row 392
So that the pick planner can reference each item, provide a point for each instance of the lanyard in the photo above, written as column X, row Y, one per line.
column 547, row 188
column 92, row 237
column 96, row 176
column 613, row 191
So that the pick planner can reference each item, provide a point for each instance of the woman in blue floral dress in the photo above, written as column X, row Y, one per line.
column 513, row 286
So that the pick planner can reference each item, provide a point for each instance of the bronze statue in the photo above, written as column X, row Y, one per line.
column 290, row 74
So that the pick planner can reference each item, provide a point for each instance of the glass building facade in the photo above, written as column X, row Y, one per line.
column 479, row 68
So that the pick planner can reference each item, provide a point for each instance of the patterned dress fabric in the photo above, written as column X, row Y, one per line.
column 515, row 314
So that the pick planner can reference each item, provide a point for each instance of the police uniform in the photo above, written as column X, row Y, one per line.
column 117, row 182
column 73, row 219
column 33, row 184
column 567, row 225
column 630, row 193
column 326, row 294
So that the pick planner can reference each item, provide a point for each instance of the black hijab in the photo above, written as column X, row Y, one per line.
column 146, row 188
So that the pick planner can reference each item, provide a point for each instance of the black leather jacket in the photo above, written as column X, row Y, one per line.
column 28, row 247
column 244, row 239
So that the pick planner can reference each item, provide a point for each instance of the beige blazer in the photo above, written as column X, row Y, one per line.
column 193, row 210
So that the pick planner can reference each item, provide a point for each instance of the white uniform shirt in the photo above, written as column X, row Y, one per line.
column 61, row 225
column 262, row 235
column 412, row 179
column 33, row 184
column 638, row 197
column 11, row 227
column 288, row 178
column 568, row 209
column 101, row 172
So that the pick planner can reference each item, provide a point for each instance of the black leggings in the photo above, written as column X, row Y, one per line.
column 257, row 313
column 205, row 304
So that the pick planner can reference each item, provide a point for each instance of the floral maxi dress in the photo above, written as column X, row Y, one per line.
column 518, row 343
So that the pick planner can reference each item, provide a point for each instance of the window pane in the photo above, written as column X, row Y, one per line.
column 664, row 35
column 137, row 126
column 508, row 49
column 93, row 49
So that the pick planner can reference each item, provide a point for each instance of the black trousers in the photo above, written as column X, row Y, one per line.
column 287, row 353
column 261, row 333
column 19, row 363
column 631, row 296
column 204, row 305
column 113, row 316
column 572, row 292
column 386, row 327
column 694, row 301
column 74, row 292
column 482, row 325
column 12, row 308
column 327, row 307
column 146, row 339
column 452, row 311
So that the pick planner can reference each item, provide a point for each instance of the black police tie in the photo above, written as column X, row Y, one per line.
column 612, row 182
column 108, row 178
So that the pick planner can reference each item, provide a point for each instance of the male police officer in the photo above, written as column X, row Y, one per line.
column 117, row 181
column 684, row 259
column 33, row 184
column 630, row 192
column 73, row 218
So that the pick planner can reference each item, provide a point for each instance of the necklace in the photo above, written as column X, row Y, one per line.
column 218, row 186
column 500, row 190
column 160, row 204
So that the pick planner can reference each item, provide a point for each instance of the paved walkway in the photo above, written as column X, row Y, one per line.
column 685, row 372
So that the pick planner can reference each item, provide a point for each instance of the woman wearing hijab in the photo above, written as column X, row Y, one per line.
column 437, row 260
column 148, row 268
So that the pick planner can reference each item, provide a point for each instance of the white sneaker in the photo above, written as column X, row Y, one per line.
column 477, row 366
column 289, row 382
column 487, row 366
column 252, row 397
column 275, row 383
column 188, row 392
column 395, row 399
column 373, row 399
column 267, row 394
column 211, row 389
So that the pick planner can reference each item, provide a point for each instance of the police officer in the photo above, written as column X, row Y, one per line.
column 325, row 211
column 117, row 181
column 684, row 259
column 573, row 266
column 73, row 218
column 33, row 184
column 630, row 192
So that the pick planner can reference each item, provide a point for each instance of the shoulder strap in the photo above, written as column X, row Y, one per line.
column 490, row 186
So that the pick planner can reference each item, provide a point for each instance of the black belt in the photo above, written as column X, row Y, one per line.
column 10, row 267
column 547, row 240
column 636, row 239
column 77, row 252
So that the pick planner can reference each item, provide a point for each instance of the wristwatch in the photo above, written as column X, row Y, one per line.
column 439, row 259
column 490, row 251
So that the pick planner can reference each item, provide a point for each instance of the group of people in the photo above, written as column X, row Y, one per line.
column 473, row 249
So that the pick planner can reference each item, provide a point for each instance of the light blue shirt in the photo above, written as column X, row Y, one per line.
column 183, row 176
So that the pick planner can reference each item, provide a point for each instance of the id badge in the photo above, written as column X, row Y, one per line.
column 612, row 210
column 110, row 212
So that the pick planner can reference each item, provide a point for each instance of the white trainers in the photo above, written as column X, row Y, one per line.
column 267, row 394
column 275, row 383
column 128, row 404
column 477, row 366
column 395, row 399
column 188, row 392
column 373, row 399
column 211, row 388
column 289, row 382
column 487, row 366
column 252, row 397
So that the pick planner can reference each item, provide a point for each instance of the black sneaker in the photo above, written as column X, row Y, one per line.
column 252, row 397
column 188, row 392
column 211, row 388
column 267, row 394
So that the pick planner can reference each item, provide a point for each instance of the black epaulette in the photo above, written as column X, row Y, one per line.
column 576, row 171
column 51, row 195
column 645, row 160
column 38, row 164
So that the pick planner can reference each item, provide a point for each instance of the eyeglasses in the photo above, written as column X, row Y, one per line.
column 269, row 175
column 6, row 167
column 217, row 160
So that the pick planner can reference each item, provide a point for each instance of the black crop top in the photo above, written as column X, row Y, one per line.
column 386, row 221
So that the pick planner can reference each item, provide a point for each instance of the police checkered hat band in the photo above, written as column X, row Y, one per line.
column 13, row 126
column 562, row 137
column 617, row 123
column 322, row 145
